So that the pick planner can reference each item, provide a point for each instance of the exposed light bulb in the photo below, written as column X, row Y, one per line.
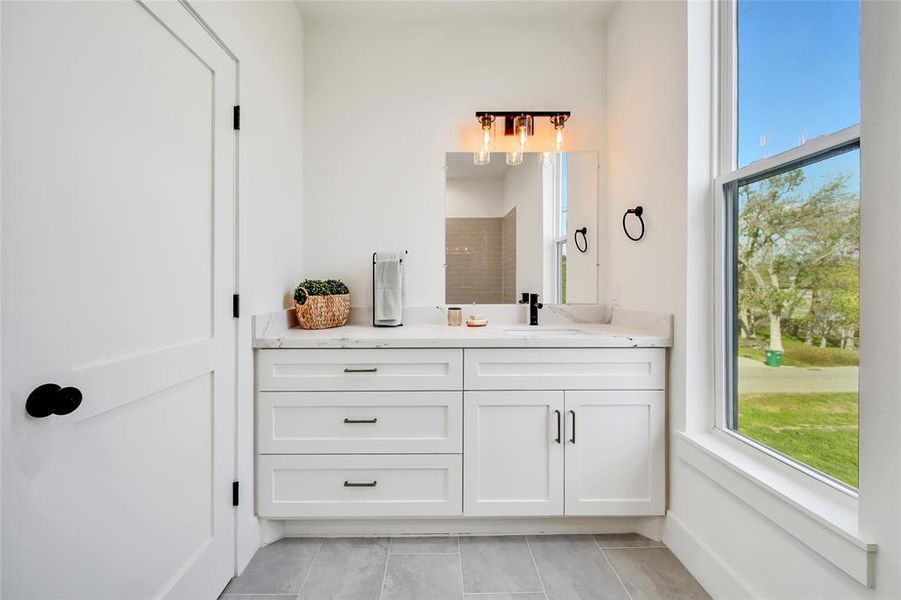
column 522, row 129
column 558, row 121
column 486, row 135
column 483, row 156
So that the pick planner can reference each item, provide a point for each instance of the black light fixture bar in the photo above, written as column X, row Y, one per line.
column 520, row 113
column 509, row 117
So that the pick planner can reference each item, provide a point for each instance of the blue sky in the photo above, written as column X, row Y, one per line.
column 798, row 73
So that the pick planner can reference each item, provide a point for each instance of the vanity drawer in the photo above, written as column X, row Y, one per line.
column 360, row 422
column 565, row 369
column 364, row 370
column 376, row 485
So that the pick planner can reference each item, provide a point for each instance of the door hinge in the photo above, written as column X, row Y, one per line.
column 235, row 486
column 236, row 305
column 236, row 117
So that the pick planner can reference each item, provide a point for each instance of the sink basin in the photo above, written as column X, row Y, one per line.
column 543, row 331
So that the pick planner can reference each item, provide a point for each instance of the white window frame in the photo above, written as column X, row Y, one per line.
column 558, row 268
column 559, row 239
column 728, row 173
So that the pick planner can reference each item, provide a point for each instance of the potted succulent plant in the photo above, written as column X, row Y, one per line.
column 321, row 304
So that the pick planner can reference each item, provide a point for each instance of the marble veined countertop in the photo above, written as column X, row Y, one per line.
column 561, row 327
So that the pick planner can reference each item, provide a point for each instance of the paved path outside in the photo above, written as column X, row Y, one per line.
column 757, row 378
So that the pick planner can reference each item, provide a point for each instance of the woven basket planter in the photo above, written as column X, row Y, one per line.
column 323, row 312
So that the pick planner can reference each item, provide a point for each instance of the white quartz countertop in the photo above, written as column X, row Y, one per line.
column 634, row 330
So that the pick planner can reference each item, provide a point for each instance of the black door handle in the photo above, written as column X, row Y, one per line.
column 51, row 399
column 559, row 436
column 573, row 438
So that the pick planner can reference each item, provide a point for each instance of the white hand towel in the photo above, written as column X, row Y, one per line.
column 389, row 288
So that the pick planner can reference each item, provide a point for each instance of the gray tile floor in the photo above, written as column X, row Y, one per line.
column 547, row 567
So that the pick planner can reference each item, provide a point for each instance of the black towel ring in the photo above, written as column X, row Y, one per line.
column 583, row 248
column 637, row 211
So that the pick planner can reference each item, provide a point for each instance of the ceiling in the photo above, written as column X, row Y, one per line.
column 449, row 11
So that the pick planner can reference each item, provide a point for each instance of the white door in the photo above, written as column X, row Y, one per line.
column 513, row 453
column 615, row 453
column 117, row 273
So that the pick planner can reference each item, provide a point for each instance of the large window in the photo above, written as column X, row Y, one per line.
column 790, row 230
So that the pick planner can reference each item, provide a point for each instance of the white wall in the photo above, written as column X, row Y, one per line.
column 475, row 197
column 646, row 154
column 523, row 190
column 384, row 103
column 659, row 156
column 646, row 166
column 583, row 200
column 267, row 38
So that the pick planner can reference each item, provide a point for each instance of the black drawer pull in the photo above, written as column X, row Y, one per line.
column 372, row 370
column 372, row 420
column 355, row 484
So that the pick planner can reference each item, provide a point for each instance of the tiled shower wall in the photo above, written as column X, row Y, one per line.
column 480, row 252
column 508, row 257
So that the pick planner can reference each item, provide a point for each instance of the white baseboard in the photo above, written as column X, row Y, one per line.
column 271, row 531
column 651, row 527
column 720, row 580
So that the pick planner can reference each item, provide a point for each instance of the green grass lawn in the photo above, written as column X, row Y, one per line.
column 820, row 430
column 798, row 354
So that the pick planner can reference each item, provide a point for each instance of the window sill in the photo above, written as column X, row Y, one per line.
column 820, row 516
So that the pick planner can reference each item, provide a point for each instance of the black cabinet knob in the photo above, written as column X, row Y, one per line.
column 51, row 399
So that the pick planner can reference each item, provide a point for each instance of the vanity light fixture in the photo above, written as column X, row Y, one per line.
column 483, row 156
column 558, row 122
column 520, row 124
column 523, row 125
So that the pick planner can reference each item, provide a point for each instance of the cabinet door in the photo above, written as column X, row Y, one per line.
column 513, row 453
column 615, row 452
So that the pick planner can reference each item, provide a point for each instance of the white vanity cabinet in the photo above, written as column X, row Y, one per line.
column 443, row 432
column 565, row 369
column 360, row 369
column 564, row 449
column 615, row 452
column 513, row 464
column 359, row 433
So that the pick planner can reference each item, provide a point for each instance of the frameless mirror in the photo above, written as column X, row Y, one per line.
column 529, row 228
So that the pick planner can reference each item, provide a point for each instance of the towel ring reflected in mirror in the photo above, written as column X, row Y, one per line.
column 583, row 247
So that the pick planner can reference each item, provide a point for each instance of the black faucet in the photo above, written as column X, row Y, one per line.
column 534, row 305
